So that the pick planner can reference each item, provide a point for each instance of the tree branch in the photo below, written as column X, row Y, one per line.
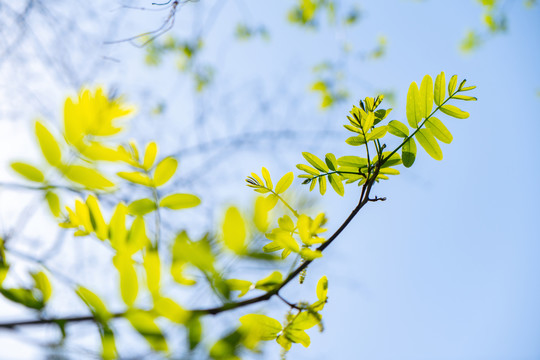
column 364, row 199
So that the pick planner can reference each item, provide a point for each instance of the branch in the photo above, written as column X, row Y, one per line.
column 364, row 199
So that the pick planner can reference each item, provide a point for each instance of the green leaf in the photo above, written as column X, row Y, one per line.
column 414, row 107
column 308, row 254
column 43, row 285
column 356, row 140
column 322, row 185
column 179, row 201
column 49, row 145
column 377, row 133
column 408, row 153
column 369, row 120
column 143, row 322
column 54, row 203
column 95, row 304
column 398, row 129
column 298, row 336
column 141, row 207
column 330, row 160
column 28, row 171
column 136, row 178
column 440, row 88
column 149, row 155
column 165, row 170
column 261, row 326
column 270, row 282
column 239, row 285
column 428, row 142
column 454, row 111
column 24, row 297
column 129, row 286
column 234, row 230
column 352, row 161
column 468, row 88
column 284, row 183
column 315, row 162
column 438, row 130
column 336, row 183
column 152, row 267
column 267, row 178
column 463, row 97
column 426, row 96
column 87, row 177
column 169, row 309
column 452, row 84
column 308, row 169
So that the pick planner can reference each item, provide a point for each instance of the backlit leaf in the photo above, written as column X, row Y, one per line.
column 352, row 161
column 87, row 177
column 336, row 183
column 234, row 230
column 28, row 171
column 428, row 142
column 426, row 96
column 267, row 178
column 129, row 286
column 284, row 183
column 440, row 89
column 356, row 140
column 54, row 203
column 322, row 185
column 414, row 107
column 270, row 282
column 165, row 170
column 150, row 155
column 452, row 84
column 48, row 144
column 179, row 201
column 43, row 285
column 261, row 326
column 136, row 177
column 315, row 162
column 438, row 130
column 408, row 153
column 454, row 111
column 152, row 267
column 397, row 128
column 239, row 285
column 141, row 207
column 95, row 304
column 144, row 323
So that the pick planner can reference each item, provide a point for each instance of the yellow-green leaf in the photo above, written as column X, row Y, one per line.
column 336, row 183
column 414, row 107
column 129, row 286
column 440, row 88
column 169, row 309
column 322, row 185
column 284, row 183
column 143, row 322
column 267, row 178
column 49, row 145
column 261, row 326
column 96, row 218
column 315, row 161
column 463, row 97
column 165, row 170
column 377, row 133
column 308, row 169
column 141, row 207
column 269, row 282
column 234, row 230
column 454, row 111
column 43, row 285
column 54, row 203
column 452, row 84
column 150, row 155
column 352, row 161
column 239, row 285
column 87, row 177
column 95, row 304
column 438, row 130
column 28, row 171
column 408, row 153
column 179, row 201
column 426, row 96
column 135, row 177
column 355, row 141
column 152, row 267
column 428, row 142
column 308, row 254
column 397, row 128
